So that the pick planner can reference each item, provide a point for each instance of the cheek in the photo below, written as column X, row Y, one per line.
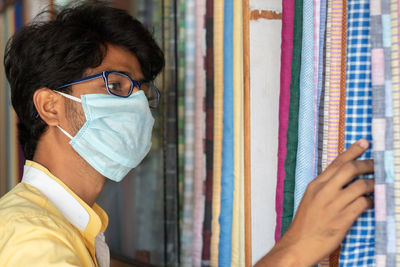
column 75, row 116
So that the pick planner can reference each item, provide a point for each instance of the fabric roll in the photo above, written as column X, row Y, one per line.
column 394, row 9
column 170, row 144
column 237, row 258
column 227, row 177
column 382, row 140
column 321, row 88
column 317, row 89
column 209, row 63
column 181, row 106
column 188, row 186
column 242, row 196
column 305, row 148
column 334, row 257
column 335, row 59
column 358, row 245
column 218, row 127
column 321, row 98
column 199, row 156
column 388, row 154
column 334, row 92
column 284, row 101
column 291, row 134
column 342, row 103
column 324, row 154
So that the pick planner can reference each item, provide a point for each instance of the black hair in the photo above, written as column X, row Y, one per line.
column 52, row 53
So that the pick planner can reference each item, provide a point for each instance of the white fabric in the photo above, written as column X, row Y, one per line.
column 102, row 250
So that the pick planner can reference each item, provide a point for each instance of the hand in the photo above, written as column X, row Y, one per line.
column 326, row 211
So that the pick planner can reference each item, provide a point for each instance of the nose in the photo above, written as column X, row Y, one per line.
column 135, row 89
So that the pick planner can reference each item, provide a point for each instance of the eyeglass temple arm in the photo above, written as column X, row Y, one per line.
column 88, row 78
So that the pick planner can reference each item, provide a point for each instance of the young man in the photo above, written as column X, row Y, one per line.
column 81, row 87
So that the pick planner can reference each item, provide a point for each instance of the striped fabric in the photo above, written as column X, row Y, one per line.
column 218, row 127
column 334, row 91
column 320, row 97
column 358, row 245
column 394, row 15
column 317, row 52
column 334, row 257
column 325, row 125
column 199, row 134
column 335, row 59
column 284, row 100
column 188, row 187
column 227, row 177
column 209, row 133
column 321, row 88
column 382, row 132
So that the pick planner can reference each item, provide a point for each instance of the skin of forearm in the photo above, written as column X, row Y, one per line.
column 282, row 254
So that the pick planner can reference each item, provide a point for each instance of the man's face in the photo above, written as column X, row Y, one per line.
column 116, row 59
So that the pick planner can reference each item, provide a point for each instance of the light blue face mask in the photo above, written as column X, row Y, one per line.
column 117, row 133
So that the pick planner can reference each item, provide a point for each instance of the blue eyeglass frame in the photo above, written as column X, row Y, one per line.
column 105, row 74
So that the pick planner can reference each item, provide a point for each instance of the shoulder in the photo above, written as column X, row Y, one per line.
column 25, row 207
column 28, row 222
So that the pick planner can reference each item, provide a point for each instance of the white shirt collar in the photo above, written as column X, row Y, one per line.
column 65, row 202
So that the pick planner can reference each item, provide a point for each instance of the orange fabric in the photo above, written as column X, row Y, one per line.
column 334, row 257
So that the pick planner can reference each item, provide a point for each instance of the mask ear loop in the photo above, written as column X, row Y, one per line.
column 65, row 132
column 74, row 99
column 69, row 96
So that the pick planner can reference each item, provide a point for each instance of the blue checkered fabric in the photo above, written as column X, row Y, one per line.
column 359, row 243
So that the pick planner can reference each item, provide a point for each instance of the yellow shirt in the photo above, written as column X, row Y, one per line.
column 43, row 223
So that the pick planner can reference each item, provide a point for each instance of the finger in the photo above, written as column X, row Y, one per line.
column 354, row 191
column 346, row 173
column 355, row 209
column 353, row 152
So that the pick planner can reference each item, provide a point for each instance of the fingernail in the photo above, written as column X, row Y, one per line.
column 363, row 143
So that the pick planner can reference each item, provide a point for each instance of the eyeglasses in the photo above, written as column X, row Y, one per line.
column 121, row 85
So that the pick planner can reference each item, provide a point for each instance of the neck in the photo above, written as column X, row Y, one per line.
column 64, row 163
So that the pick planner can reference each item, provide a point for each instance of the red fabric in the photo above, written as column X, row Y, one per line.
column 286, row 63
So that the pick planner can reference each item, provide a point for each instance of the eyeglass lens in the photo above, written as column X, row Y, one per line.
column 119, row 84
column 151, row 93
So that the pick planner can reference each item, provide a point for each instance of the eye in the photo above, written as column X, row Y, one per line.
column 114, row 86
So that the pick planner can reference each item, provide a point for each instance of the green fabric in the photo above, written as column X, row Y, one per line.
column 292, row 132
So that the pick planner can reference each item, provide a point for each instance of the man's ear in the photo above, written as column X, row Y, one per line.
column 48, row 105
